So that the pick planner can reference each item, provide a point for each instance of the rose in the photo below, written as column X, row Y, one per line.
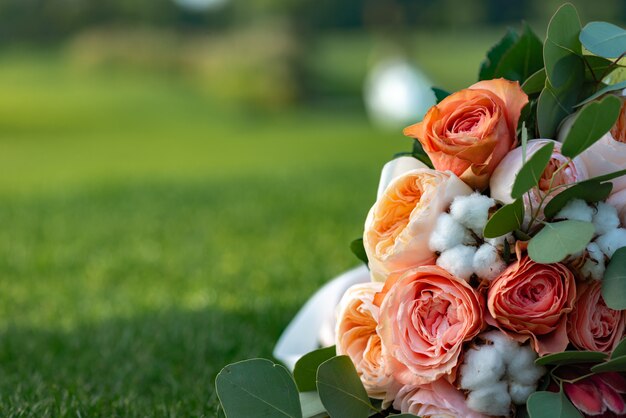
column 557, row 173
column 531, row 301
column 398, row 226
column 470, row 131
column 618, row 200
column 424, row 319
column 356, row 337
column 592, row 325
column 437, row 399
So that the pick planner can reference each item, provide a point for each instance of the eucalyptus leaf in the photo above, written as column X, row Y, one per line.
column 257, row 387
column 607, row 89
column 617, row 364
column 522, row 59
column 614, row 281
column 562, row 48
column 312, row 406
column 590, row 123
column 597, row 67
column 604, row 39
column 506, row 219
column 341, row 390
column 535, row 82
column 305, row 370
column 551, row 405
column 590, row 191
column 571, row 357
column 440, row 94
column 530, row 173
column 494, row 55
column 609, row 176
column 620, row 350
column 559, row 239
column 358, row 250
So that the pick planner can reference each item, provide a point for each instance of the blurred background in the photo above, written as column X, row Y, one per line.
column 178, row 176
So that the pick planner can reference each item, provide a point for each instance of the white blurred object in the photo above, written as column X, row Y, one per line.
column 397, row 93
column 395, row 168
column 314, row 325
column 200, row 5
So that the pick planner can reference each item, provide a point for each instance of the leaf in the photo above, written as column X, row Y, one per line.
column 609, row 176
column 506, row 219
column 312, row 405
column 590, row 123
column 601, row 67
column 420, row 154
column 590, row 191
column 341, row 390
column 614, row 281
column 607, row 89
column 562, row 48
column 524, row 141
column 617, row 364
column 522, row 59
column 554, row 105
column 488, row 66
column 571, row 357
column 257, row 387
column 558, row 240
column 620, row 350
column 305, row 371
column 530, row 173
column 604, row 39
column 440, row 94
column 551, row 405
column 535, row 83
column 358, row 250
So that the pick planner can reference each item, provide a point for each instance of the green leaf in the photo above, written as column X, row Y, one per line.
column 257, row 387
column 551, row 405
column 604, row 39
column 609, row 176
column 559, row 239
column 440, row 94
column 535, row 83
column 506, row 219
column 620, row 350
column 522, row 59
column 341, row 390
column 571, row 357
column 617, row 364
column 305, row 371
column 607, row 89
column 600, row 67
column 590, row 123
column 312, row 405
column 488, row 66
column 358, row 250
column 590, row 191
column 562, row 48
column 554, row 105
column 614, row 281
column 530, row 173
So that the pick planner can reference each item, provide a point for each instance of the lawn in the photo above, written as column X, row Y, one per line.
column 150, row 235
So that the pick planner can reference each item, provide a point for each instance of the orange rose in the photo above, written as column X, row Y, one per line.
column 469, row 132
column 531, row 301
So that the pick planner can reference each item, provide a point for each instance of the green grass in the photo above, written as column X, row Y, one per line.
column 149, row 236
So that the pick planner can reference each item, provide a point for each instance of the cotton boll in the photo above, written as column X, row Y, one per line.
column 448, row 233
column 472, row 211
column 491, row 400
column 487, row 262
column 576, row 209
column 520, row 393
column 612, row 241
column 594, row 266
column 459, row 261
column 506, row 346
column 522, row 368
column 605, row 219
column 481, row 367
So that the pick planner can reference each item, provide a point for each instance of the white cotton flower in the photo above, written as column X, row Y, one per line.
column 594, row 266
column 498, row 242
column 448, row 233
column 458, row 261
column 520, row 393
column 506, row 346
column 522, row 368
column 481, row 367
column 612, row 241
column 472, row 211
column 487, row 262
column 576, row 209
column 491, row 400
column 605, row 219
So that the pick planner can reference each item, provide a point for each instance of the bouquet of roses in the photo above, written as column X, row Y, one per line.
column 498, row 261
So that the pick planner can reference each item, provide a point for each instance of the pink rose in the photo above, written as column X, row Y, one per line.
column 356, row 337
column 618, row 200
column 399, row 225
column 592, row 325
column 436, row 399
column 424, row 319
column 531, row 301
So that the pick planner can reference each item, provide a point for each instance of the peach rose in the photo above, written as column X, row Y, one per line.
column 438, row 399
column 356, row 337
column 618, row 200
column 592, row 325
column 470, row 131
column 399, row 224
column 531, row 301
column 424, row 319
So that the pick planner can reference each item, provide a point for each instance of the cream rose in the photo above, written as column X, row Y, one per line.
column 425, row 318
column 618, row 200
column 399, row 225
column 356, row 337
